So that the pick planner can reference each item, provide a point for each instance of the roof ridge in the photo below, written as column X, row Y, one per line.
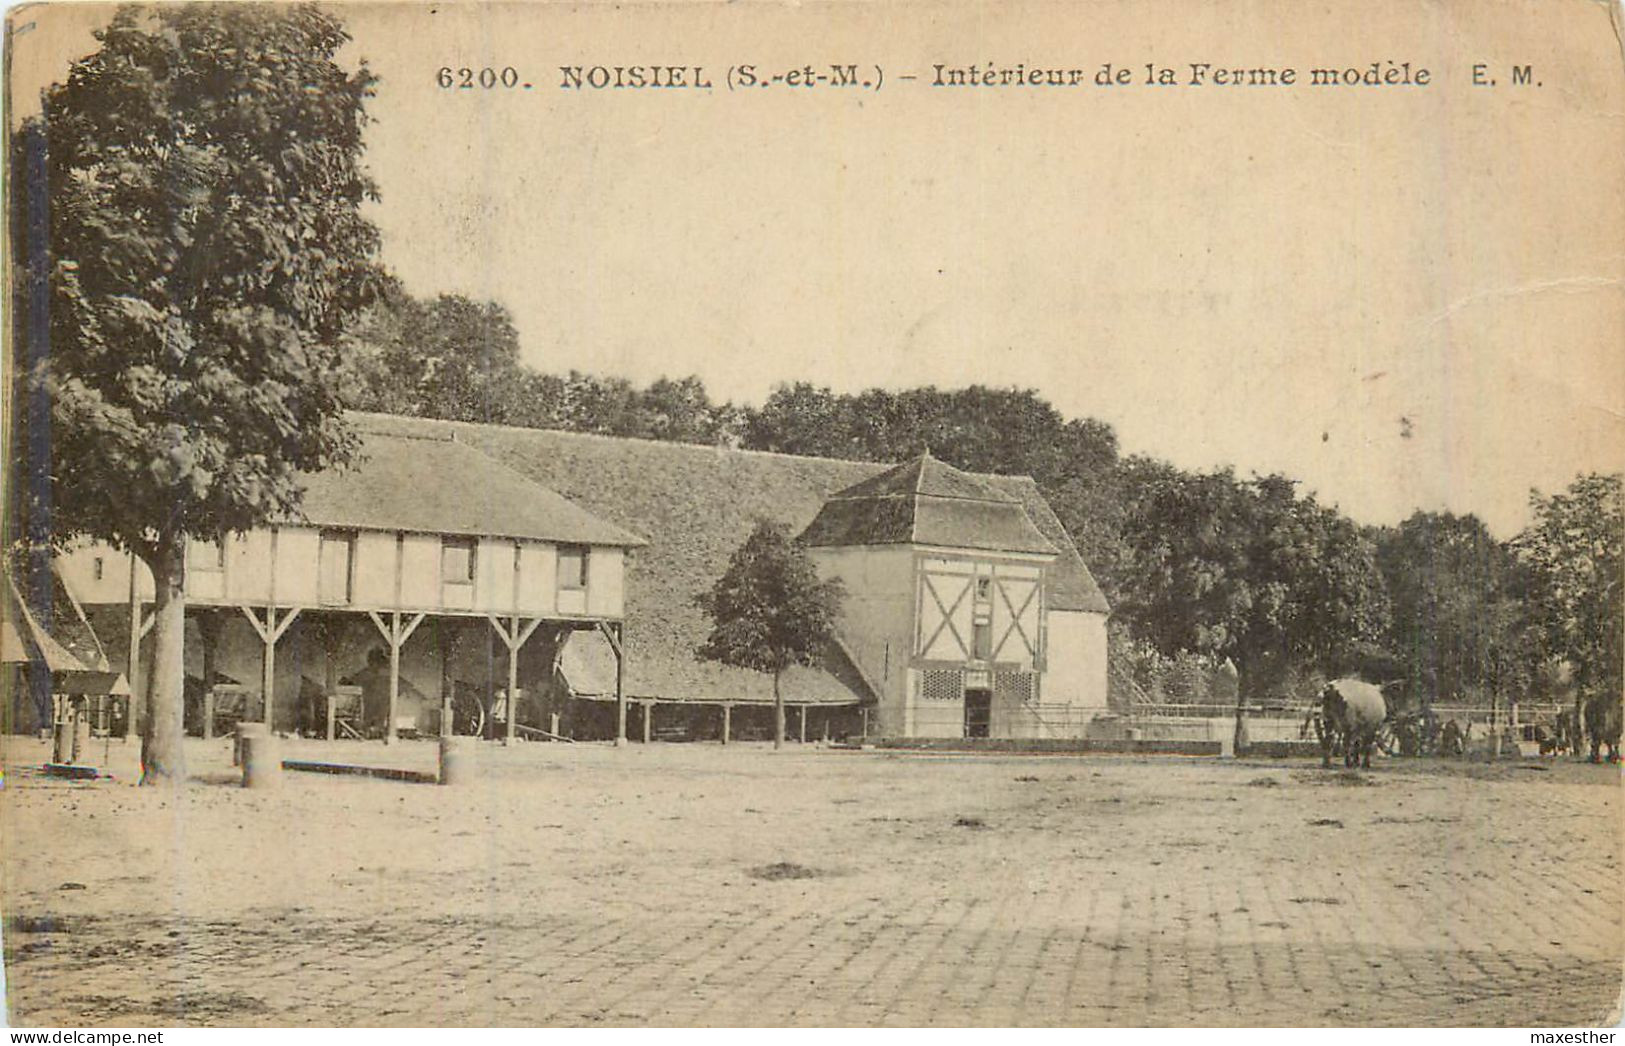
column 674, row 444
column 606, row 437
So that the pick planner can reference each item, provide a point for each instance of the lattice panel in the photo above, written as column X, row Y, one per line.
column 943, row 685
column 1018, row 685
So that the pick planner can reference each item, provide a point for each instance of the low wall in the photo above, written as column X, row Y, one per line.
column 1051, row 746
column 1178, row 728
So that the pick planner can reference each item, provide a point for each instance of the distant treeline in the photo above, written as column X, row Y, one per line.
column 1201, row 567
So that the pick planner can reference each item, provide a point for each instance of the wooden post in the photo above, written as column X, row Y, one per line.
column 727, row 720
column 133, row 662
column 513, row 637
column 209, row 634
column 330, row 672
column 268, row 663
column 445, row 674
column 615, row 635
column 394, row 675
column 803, row 724
column 648, row 714
column 620, row 688
column 396, row 635
column 513, row 683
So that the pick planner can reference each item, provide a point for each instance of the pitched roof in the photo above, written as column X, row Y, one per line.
column 697, row 505
column 23, row 641
column 423, row 480
column 925, row 476
column 926, row 502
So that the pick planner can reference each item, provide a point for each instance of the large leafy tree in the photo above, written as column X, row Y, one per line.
column 449, row 357
column 1456, row 595
column 770, row 610
column 1572, row 549
column 203, row 249
column 1246, row 571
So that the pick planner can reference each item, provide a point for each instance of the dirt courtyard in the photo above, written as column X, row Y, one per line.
column 678, row 884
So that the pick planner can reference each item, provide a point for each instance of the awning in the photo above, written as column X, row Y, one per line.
column 26, row 642
column 23, row 641
column 90, row 682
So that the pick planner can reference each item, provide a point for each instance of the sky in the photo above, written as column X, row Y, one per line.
column 1405, row 297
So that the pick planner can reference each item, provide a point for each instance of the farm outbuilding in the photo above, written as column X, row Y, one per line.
column 423, row 585
column 969, row 610
column 697, row 504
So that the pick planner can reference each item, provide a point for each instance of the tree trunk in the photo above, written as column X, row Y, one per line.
column 163, row 760
column 1244, row 681
column 778, row 712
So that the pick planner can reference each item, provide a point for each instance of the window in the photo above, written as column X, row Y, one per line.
column 207, row 556
column 333, row 582
column 457, row 561
column 572, row 566
column 982, row 640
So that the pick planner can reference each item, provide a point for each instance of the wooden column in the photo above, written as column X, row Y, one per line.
column 513, row 637
column 209, row 632
column 615, row 636
column 269, row 632
column 727, row 721
column 803, row 724
column 330, row 671
column 396, row 635
column 394, row 677
column 648, row 714
column 446, row 685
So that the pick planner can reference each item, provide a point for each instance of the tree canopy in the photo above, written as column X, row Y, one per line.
column 1246, row 571
column 1573, row 552
column 1456, row 596
column 201, row 249
column 770, row 610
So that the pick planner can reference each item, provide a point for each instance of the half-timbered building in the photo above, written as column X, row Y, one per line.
column 455, row 563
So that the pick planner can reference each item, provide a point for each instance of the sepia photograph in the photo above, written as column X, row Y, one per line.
column 897, row 514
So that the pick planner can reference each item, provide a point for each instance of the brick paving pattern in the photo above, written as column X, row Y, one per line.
column 586, row 886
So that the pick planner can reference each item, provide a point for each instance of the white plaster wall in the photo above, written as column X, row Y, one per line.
column 1077, row 661
column 606, row 582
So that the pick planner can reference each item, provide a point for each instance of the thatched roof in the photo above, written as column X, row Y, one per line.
column 696, row 505
column 926, row 502
column 428, row 482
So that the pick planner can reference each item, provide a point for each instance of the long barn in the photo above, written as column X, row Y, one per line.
column 457, row 563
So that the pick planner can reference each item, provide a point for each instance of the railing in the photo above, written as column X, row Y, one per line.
column 1057, row 720
column 1527, row 712
column 1167, row 710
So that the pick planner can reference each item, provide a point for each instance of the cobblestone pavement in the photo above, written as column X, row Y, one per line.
column 690, row 885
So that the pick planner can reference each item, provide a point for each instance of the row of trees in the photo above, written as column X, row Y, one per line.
column 1253, row 571
column 199, row 298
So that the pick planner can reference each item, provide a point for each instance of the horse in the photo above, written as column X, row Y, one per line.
column 1353, row 710
column 1602, row 720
